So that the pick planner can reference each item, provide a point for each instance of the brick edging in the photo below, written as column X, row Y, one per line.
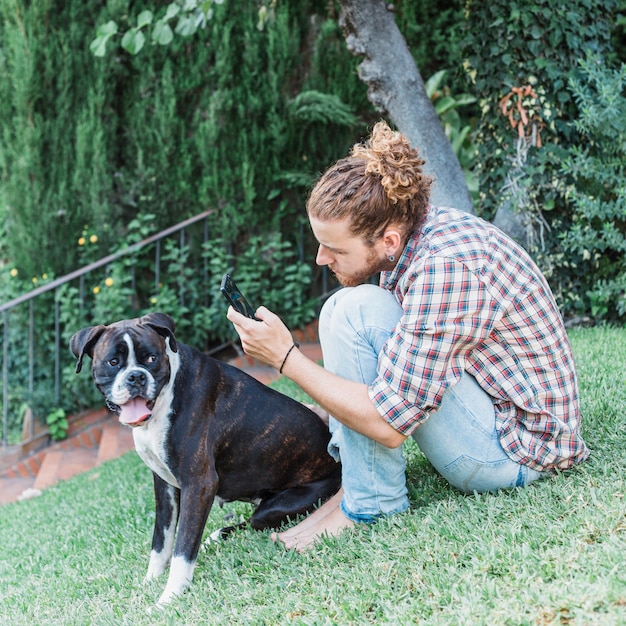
column 85, row 432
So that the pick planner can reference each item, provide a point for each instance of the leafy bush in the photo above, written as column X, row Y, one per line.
column 596, row 240
column 524, row 51
column 519, row 58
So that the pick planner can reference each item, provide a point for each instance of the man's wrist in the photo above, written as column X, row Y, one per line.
column 293, row 346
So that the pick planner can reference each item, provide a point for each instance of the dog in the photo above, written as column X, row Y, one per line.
column 208, row 431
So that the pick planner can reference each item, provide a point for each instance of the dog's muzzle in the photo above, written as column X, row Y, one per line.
column 138, row 409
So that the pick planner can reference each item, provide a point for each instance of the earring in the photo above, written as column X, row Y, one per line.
column 391, row 258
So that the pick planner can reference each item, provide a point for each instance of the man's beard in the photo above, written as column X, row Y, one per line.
column 374, row 265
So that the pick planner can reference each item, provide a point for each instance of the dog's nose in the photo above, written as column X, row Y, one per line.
column 136, row 378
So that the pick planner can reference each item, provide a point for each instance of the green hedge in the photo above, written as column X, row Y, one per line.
column 208, row 122
column 523, row 54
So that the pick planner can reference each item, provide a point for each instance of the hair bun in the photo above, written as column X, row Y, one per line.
column 390, row 156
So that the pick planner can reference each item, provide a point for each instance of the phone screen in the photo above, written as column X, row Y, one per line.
column 235, row 297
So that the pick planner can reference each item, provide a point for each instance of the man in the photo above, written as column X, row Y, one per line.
column 461, row 346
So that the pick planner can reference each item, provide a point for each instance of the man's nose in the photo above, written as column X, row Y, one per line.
column 323, row 258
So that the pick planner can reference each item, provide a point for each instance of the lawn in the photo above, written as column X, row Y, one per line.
column 552, row 553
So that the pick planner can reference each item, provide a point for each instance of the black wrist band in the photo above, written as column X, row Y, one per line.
column 295, row 345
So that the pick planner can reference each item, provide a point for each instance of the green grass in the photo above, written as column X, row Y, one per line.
column 552, row 553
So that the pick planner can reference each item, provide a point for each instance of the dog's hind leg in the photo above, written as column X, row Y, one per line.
column 277, row 508
column 167, row 498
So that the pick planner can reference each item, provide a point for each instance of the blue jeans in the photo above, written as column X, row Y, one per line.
column 459, row 440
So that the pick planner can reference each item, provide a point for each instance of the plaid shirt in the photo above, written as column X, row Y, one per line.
column 475, row 302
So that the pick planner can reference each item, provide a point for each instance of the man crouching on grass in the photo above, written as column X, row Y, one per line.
column 461, row 346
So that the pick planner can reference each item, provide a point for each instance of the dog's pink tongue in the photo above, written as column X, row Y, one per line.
column 134, row 412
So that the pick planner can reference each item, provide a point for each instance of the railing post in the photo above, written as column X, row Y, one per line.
column 205, row 260
column 157, row 267
column 5, row 381
column 31, row 360
column 57, row 351
column 181, row 276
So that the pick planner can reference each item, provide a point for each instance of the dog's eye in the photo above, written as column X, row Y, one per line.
column 152, row 358
column 114, row 362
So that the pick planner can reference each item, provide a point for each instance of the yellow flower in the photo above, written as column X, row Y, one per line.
column 82, row 241
column 93, row 238
column 44, row 276
column 35, row 280
column 14, row 272
column 109, row 282
column 153, row 300
column 96, row 289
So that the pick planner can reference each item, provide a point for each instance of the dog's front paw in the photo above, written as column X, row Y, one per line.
column 170, row 594
column 158, row 564
column 181, row 575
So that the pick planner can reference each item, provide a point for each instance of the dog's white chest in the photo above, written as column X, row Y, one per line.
column 150, row 445
column 150, row 440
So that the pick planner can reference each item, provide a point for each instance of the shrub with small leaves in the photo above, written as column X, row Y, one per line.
column 597, row 194
column 57, row 424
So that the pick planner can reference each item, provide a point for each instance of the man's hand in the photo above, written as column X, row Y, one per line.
column 265, row 338
column 269, row 340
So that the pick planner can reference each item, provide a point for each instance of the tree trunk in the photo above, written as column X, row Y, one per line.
column 395, row 86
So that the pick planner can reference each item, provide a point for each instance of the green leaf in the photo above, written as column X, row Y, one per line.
column 104, row 33
column 144, row 19
column 172, row 11
column 108, row 29
column 162, row 33
column 444, row 104
column 133, row 41
column 464, row 98
column 98, row 46
column 432, row 84
column 186, row 26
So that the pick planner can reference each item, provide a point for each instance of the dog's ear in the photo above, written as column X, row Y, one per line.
column 162, row 324
column 83, row 342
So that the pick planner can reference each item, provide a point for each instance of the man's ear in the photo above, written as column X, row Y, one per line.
column 393, row 241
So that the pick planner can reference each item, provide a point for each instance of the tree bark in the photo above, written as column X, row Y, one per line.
column 396, row 87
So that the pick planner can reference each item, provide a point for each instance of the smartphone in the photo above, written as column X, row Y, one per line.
column 235, row 298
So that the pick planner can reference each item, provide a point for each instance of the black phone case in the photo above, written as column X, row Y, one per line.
column 235, row 298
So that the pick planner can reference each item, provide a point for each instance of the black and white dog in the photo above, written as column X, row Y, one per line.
column 206, row 430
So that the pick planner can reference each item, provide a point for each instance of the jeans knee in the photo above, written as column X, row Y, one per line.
column 359, row 307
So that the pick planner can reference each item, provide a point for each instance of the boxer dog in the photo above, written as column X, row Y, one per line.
column 207, row 431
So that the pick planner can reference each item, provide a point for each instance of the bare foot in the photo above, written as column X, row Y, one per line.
column 328, row 521
column 330, row 526
column 310, row 520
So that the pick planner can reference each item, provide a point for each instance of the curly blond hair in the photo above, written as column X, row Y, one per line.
column 379, row 184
